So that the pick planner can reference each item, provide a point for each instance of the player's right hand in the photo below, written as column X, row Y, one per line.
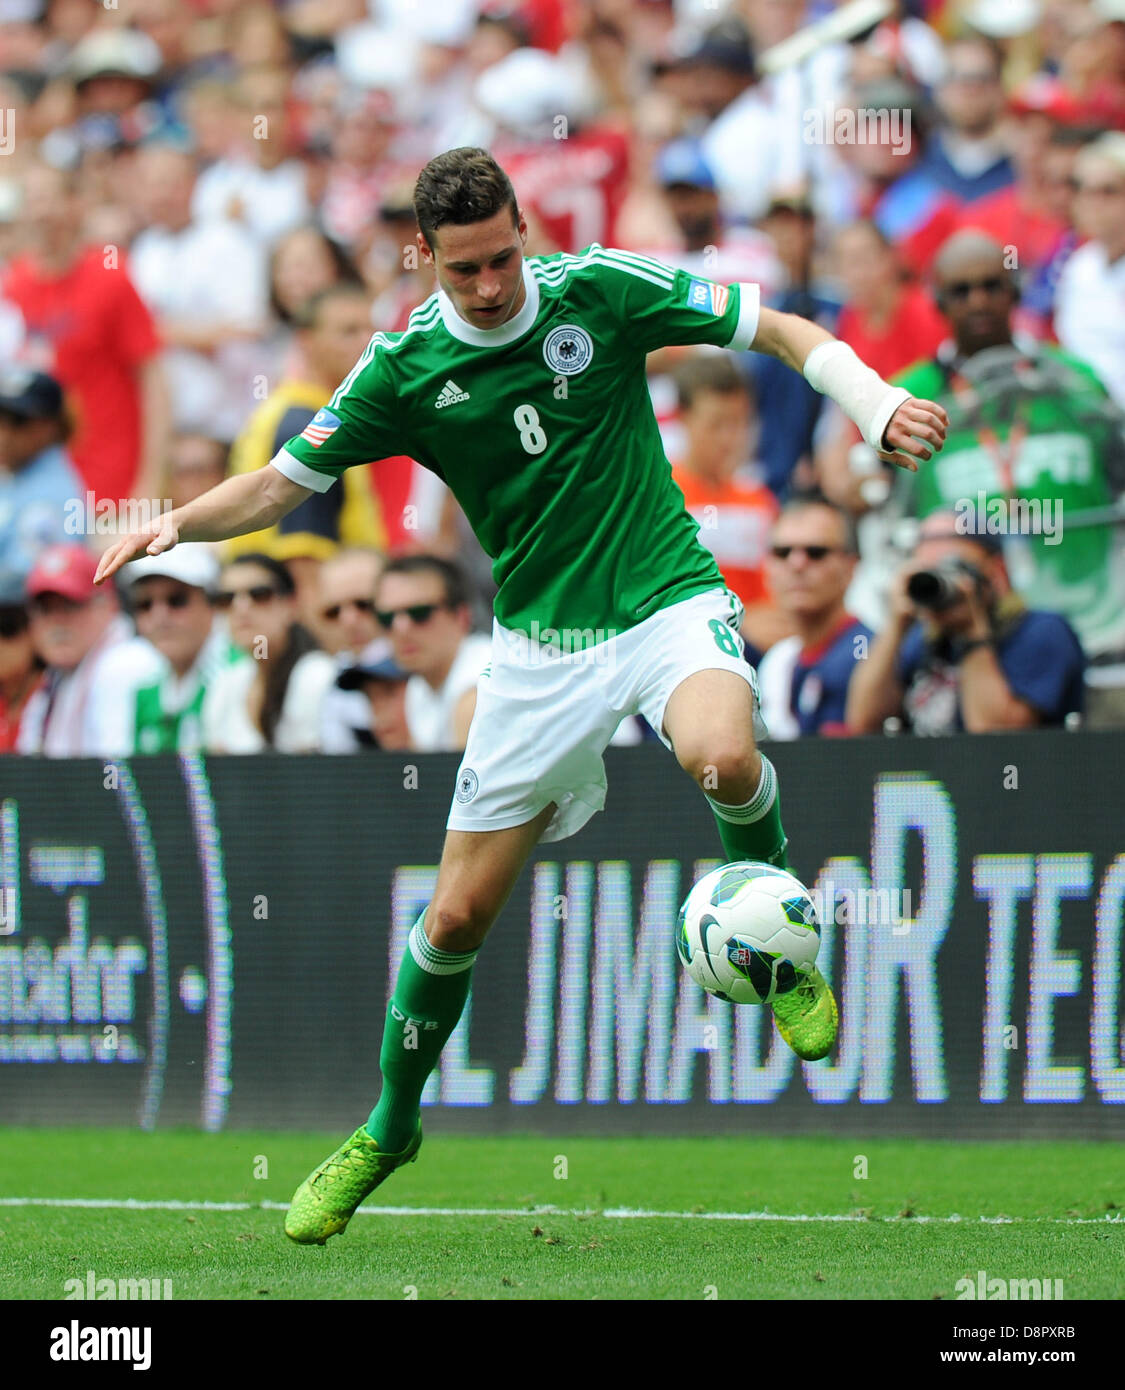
column 158, row 536
column 916, row 431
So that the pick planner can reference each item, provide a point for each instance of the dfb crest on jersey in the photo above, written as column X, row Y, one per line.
column 467, row 784
column 568, row 350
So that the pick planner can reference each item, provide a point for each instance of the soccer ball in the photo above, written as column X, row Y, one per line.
column 747, row 932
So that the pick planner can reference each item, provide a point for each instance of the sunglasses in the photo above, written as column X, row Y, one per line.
column 361, row 605
column 13, row 621
column 814, row 552
column 176, row 601
column 258, row 594
column 416, row 612
column 961, row 289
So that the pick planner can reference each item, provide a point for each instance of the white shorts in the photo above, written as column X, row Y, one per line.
column 543, row 720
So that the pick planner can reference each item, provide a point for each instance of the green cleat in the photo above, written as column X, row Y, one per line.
column 807, row 1017
column 326, row 1201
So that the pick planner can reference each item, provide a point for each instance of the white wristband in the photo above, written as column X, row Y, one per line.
column 834, row 370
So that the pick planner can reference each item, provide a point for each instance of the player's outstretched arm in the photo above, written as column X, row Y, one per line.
column 235, row 507
column 900, row 428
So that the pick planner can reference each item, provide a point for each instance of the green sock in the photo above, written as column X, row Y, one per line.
column 428, row 1000
column 754, row 831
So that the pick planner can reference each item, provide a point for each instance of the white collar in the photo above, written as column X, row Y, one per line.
column 494, row 337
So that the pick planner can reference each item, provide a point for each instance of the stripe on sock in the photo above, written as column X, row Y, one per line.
column 433, row 960
column 758, row 805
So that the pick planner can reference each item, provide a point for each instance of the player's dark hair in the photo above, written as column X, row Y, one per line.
column 461, row 186
column 452, row 576
column 813, row 498
column 708, row 371
column 301, row 641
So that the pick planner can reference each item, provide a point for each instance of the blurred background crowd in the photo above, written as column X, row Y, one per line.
column 205, row 211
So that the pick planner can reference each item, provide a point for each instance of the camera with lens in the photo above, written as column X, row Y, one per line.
column 937, row 588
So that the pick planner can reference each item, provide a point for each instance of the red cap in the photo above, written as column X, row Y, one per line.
column 64, row 569
column 1045, row 95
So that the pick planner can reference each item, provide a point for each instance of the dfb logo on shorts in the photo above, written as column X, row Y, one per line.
column 467, row 784
column 568, row 350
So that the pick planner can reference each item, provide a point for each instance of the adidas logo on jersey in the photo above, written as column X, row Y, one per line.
column 451, row 394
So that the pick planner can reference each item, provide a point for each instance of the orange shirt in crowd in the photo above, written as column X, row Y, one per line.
column 734, row 524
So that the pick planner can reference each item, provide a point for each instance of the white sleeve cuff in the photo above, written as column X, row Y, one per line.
column 749, row 303
column 297, row 472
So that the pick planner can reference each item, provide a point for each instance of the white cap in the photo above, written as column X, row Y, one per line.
column 1003, row 19
column 369, row 56
column 526, row 91
column 125, row 51
column 192, row 562
column 448, row 23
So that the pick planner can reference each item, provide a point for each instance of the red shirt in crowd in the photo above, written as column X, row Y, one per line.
column 11, row 712
column 89, row 328
column 1011, row 222
column 574, row 187
column 912, row 332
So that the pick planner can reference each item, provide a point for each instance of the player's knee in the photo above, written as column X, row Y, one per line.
column 724, row 767
column 458, row 927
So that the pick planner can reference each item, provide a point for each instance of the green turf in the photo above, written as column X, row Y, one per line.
column 888, row 1254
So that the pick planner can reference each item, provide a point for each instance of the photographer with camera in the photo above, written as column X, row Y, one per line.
column 960, row 650
column 1034, row 458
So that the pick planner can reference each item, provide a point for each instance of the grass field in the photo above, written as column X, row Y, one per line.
column 631, row 1218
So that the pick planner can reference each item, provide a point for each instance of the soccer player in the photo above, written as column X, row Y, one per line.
column 521, row 382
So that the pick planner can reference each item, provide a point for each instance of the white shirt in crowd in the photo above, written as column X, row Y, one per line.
column 209, row 273
column 775, row 680
column 228, row 728
column 1090, row 314
column 345, row 715
column 78, row 714
column 429, row 712
column 268, row 202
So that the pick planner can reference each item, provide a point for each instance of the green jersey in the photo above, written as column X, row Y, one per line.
column 1035, row 426
column 167, row 715
column 544, row 431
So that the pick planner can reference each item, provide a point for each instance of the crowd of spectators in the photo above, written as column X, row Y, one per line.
column 205, row 211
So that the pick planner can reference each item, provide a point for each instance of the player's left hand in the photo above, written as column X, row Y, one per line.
column 917, row 430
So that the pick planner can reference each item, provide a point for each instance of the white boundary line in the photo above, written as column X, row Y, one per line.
column 609, row 1213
